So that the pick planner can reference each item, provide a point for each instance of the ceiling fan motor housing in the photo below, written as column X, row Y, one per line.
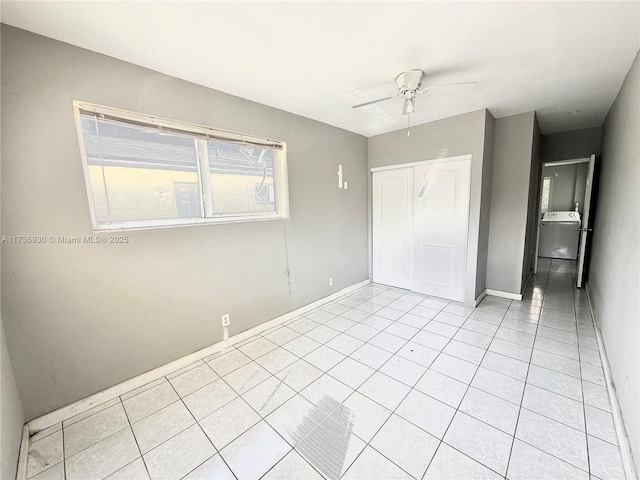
column 409, row 81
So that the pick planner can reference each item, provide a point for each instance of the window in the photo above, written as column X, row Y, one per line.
column 546, row 194
column 148, row 172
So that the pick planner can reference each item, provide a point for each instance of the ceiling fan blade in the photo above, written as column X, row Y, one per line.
column 452, row 88
column 375, row 101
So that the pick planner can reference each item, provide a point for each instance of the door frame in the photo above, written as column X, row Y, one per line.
column 468, row 157
column 558, row 163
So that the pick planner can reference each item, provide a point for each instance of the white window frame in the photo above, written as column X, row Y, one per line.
column 201, row 134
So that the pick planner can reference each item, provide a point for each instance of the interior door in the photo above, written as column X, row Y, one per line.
column 586, row 218
column 440, row 225
column 393, row 227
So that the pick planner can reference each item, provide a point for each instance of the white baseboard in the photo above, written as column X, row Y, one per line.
column 621, row 432
column 61, row 414
column 23, row 455
column 480, row 297
column 501, row 294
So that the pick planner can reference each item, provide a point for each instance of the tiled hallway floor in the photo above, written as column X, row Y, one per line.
column 380, row 384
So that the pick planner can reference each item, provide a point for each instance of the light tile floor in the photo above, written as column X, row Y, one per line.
column 378, row 384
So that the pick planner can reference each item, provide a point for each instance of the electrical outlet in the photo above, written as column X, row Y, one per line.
column 331, row 281
column 226, row 321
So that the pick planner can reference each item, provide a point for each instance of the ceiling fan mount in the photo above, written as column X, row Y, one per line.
column 409, row 84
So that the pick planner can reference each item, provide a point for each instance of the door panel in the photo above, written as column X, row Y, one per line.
column 441, row 218
column 586, row 220
column 392, row 227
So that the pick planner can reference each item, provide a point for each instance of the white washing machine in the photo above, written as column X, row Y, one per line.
column 559, row 235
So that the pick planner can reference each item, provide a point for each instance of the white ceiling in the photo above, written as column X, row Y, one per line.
column 317, row 59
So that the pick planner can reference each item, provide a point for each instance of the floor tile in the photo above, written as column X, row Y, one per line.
column 555, row 382
column 345, row 344
column 377, row 322
column 180, row 455
column 473, row 338
column 454, row 367
column 229, row 422
column 592, row 374
column 560, row 335
column 149, row 401
column 414, row 321
column 435, row 303
column 380, row 300
column 556, row 347
column 269, row 395
column 331, row 448
column 258, row 347
column 209, row 398
column 292, row 466
column 362, row 332
column 505, row 365
column 418, row 354
column 596, row 396
column 425, row 412
column 276, row 360
column 519, row 325
column 193, row 379
column 371, row 356
column 212, row 468
column 442, row 387
column 481, row 327
column 110, row 403
column 135, row 470
column 389, row 313
column 371, row 465
column 406, row 445
column 368, row 307
column 153, row 430
column 502, row 386
column 526, row 459
column 448, row 463
column 326, row 388
column 55, row 472
column 403, row 370
column 355, row 315
column 301, row 346
column 103, row 458
column 48, row 431
column 322, row 334
column 424, row 311
column 401, row 330
column 491, row 410
column 44, row 453
column 464, row 351
column 387, row 342
column 340, row 324
column 605, row 459
column 384, row 390
column 302, row 325
column 483, row 443
column 554, row 406
column 514, row 336
column 431, row 340
column 297, row 417
column 351, row 372
column 282, row 335
column 413, row 297
column 92, row 429
column 320, row 316
column 299, row 374
column 590, row 356
column 401, row 305
column 441, row 329
column 247, row 377
column 553, row 437
column 600, row 424
column 555, row 362
column 324, row 358
column 229, row 362
column 510, row 349
column 363, row 416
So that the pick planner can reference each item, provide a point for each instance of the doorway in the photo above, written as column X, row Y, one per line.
column 420, row 226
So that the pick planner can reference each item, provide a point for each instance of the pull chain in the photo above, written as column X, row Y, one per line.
column 408, row 126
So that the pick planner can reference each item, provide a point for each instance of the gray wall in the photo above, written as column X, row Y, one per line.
column 614, row 273
column 485, row 209
column 80, row 318
column 568, row 185
column 11, row 416
column 512, row 159
column 533, row 209
column 453, row 136
column 569, row 145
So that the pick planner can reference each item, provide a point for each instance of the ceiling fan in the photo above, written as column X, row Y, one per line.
column 409, row 84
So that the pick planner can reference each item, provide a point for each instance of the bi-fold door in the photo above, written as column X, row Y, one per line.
column 420, row 227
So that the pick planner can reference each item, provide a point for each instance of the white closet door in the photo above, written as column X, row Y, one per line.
column 441, row 218
column 392, row 227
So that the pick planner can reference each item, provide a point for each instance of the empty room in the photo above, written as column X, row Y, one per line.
column 320, row 240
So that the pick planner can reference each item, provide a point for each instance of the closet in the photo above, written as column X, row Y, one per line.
column 420, row 226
